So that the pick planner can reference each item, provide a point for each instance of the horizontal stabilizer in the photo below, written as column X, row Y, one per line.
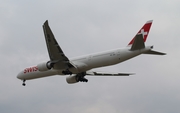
column 91, row 73
column 154, row 53
column 138, row 42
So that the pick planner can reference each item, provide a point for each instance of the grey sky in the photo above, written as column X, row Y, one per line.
column 83, row 27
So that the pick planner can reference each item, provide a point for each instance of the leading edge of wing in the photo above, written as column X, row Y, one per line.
column 92, row 73
column 54, row 50
column 56, row 54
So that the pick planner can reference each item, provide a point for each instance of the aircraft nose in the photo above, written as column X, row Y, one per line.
column 20, row 76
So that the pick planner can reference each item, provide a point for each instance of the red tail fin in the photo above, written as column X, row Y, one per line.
column 144, row 31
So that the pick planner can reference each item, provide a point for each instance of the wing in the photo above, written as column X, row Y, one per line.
column 92, row 73
column 56, row 55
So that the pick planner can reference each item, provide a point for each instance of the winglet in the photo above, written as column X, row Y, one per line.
column 144, row 31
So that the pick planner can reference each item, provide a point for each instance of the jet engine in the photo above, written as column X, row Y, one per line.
column 45, row 66
column 76, row 78
column 71, row 79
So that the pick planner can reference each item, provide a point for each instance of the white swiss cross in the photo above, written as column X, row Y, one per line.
column 143, row 33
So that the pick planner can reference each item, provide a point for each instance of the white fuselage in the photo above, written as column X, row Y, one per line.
column 79, row 67
column 86, row 63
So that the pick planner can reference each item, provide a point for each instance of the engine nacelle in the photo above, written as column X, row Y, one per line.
column 44, row 66
column 71, row 79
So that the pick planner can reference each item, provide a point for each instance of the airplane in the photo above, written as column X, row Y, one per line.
column 78, row 68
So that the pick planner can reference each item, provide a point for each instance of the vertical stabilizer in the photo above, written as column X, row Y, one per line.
column 144, row 31
column 138, row 42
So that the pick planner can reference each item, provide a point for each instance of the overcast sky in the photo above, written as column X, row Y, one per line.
column 83, row 27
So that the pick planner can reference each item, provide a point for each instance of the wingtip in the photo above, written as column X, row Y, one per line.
column 46, row 22
column 164, row 54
